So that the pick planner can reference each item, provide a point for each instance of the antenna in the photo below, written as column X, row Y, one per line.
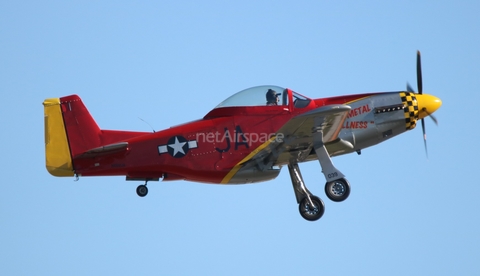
column 147, row 124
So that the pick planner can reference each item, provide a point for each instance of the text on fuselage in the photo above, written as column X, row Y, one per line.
column 358, row 111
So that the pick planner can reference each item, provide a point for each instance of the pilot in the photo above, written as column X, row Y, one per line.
column 272, row 97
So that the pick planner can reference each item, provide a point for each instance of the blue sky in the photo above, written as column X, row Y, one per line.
column 169, row 63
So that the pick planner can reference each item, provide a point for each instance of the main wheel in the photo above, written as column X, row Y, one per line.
column 309, row 212
column 337, row 190
column 142, row 190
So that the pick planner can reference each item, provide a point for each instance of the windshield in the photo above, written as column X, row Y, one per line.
column 300, row 101
column 255, row 96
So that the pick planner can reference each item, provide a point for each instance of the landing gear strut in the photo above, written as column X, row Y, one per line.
column 310, row 207
column 337, row 187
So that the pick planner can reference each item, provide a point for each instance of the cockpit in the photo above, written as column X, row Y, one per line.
column 265, row 95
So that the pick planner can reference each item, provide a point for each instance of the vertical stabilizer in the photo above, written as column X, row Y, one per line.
column 83, row 132
column 70, row 130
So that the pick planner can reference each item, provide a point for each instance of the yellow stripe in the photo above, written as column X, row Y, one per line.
column 237, row 167
column 57, row 152
column 356, row 100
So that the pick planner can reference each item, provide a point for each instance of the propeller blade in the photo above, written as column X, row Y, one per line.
column 419, row 74
column 409, row 88
column 424, row 137
column 420, row 91
column 434, row 119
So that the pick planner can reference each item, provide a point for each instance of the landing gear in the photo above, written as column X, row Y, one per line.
column 311, row 212
column 337, row 190
column 337, row 187
column 142, row 190
column 310, row 207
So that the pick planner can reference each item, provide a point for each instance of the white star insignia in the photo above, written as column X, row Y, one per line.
column 177, row 147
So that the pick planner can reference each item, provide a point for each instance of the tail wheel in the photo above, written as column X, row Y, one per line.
column 142, row 190
column 309, row 212
column 337, row 190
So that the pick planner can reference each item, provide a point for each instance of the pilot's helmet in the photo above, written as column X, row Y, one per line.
column 272, row 96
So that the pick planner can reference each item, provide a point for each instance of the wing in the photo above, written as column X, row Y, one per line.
column 294, row 141
column 327, row 119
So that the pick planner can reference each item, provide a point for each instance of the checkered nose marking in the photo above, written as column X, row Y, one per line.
column 410, row 109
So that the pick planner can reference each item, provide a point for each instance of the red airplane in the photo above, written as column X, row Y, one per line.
column 247, row 138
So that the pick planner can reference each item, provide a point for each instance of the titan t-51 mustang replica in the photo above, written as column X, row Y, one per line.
column 247, row 138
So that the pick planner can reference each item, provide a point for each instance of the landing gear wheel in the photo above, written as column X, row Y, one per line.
column 309, row 212
column 337, row 190
column 142, row 190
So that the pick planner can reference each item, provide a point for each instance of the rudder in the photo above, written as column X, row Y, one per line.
column 70, row 130
column 57, row 152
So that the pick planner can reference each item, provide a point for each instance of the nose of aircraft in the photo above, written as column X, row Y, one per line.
column 427, row 104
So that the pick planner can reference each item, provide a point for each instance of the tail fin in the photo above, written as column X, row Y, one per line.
column 69, row 130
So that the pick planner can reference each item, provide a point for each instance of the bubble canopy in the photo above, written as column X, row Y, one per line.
column 253, row 96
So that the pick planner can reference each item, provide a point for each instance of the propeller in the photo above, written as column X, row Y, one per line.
column 420, row 91
column 419, row 74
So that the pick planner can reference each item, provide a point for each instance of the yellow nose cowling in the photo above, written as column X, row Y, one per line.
column 427, row 104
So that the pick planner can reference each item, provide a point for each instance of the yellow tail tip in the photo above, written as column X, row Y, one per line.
column 57, row 152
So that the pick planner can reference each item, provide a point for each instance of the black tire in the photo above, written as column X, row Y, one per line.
column 142, row 190
column 337, row 190
column 309, row 213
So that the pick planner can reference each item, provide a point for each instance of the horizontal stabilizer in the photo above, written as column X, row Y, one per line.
column 108, row 149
